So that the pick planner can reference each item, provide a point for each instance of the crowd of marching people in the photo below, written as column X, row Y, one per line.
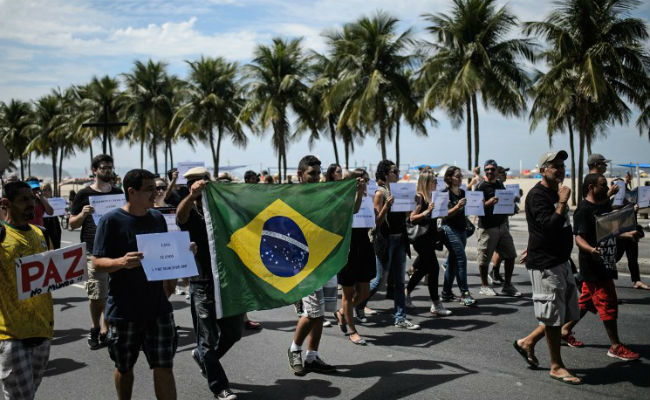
column 130, row 314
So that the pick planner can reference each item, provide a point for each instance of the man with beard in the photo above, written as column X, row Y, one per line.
column 81, row 216
column 26, row 326
column 214, row 337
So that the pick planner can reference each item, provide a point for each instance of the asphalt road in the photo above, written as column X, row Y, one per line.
column 468, row 355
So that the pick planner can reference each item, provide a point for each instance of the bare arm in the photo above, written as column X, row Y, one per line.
column 416, row 215
column 77, row 220
column 381, row 207
column 361, row 187
column 185, row 206
column 129, row 261
column 586, row 247
column 171, row 185
column 46, row 204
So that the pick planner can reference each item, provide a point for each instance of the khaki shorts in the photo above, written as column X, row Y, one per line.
column 555, row 295
column 313, row 306
column 97, row 284
column 491, row 239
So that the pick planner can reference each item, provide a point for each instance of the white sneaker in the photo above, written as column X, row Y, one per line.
column 487, row 291
column 327, row 323
column 438, row 310
column 406, row 324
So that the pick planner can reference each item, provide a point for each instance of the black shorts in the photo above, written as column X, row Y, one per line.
column 361, row 266
column 156, row 338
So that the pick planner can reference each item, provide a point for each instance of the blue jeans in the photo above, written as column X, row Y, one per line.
column 396, row 262
column 456, row 261
column 214, row 337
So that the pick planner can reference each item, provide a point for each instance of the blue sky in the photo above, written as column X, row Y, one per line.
column 50, row 43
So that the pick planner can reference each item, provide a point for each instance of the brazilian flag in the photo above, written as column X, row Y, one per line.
column 274, row 244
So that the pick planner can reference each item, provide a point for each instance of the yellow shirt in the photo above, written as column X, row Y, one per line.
column 32, row 317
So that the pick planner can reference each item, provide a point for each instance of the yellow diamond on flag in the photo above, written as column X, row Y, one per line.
column 281, row 246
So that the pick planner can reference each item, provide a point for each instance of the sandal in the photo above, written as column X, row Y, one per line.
column 340, row 320
column 568, row 379
column 529, row 357
column 361, row 341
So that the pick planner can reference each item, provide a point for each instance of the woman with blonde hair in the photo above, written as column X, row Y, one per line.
column 426, row 263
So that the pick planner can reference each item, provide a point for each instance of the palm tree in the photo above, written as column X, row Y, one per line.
column 374, row 59
column 214, row 102
column 148, row 100
column 99, row 99
column 474, row 54
column 597, row 43
column 15, row 118
column 276, row 84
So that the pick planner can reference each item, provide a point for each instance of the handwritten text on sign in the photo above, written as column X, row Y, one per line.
column 474, row 205
column 167, row 255
column 105, row 203
column 52, row 270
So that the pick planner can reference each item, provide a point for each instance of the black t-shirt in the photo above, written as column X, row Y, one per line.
column 456, row 221
column 550, row 240
column 176, row 196
column 195, row 225
column 131, row 297
column 490, row 220
column 584, row 224
column 88, row 226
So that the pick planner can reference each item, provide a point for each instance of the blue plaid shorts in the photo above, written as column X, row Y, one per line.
column 157, row 338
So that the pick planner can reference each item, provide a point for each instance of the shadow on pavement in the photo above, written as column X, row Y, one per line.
column 66, row 302
column 407, row 339
column 284, row 326
column 185, row 337
column 635, row 372
column 62, row 365
column 463, row 325
column 288, row 389
column 65, row 336
column 179, row 304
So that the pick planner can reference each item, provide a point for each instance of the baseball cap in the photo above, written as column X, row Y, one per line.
column 551, row 156
column 34, row 184
column 490, row 162
column 596, row 158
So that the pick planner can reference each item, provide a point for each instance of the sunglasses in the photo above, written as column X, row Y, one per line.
column 489, row 169
column 161, row 187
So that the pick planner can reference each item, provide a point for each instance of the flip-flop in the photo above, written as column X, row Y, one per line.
column 340, row 319
column 568, row 379
column 530, row 359
column 361, row 341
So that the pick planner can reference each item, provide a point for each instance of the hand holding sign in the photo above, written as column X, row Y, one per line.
column 166, row 255
column 474, row 205
column 505, row 202
column 58, row 206
column 105, row 203
column 440, row 200
column 619, row 197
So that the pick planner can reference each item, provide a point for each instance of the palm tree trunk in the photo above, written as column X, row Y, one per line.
column 110, row 145
column 142, row 153
column 57, row 190
column 29, row 165
column 476, row 140
column 215, row 167
column 284, row 162
column 588, row 143
column 573, row 163
column 382, row 130
column 54, row 154
column 154, row 151
column 165, row 157
column 22, row 168
column 346, row 148
column 279, row 166
column 217, row 159
column 397, row 142
column 468, row 117
column 171, row 157
column 104, row 142
column 580, row 164
column 333, row 135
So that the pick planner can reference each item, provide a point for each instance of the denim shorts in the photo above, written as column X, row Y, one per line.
column 156, row 338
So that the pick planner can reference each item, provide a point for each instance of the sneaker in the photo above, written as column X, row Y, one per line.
column 438, row 310
column 466, row 299
column 179, row 291
column 295, row 362
column 318, row 365
column 571, row 340
column 495, row 277
column 406, row 324
column 93, row 339
column 369, row 311
column 408, row 303
column 327, row 323
column 487, row 291
column 197, row 360
column 622, row 353
column 361, row 315
column 510, row 290
column 103, row 339
column 226, row 394
column 447, row 297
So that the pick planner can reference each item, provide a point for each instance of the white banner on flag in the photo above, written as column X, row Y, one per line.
column 105, row 203
column 185, row 166
column 404, row 194
column 49, row 271
column 506, row 203
column 474, row 205
column 167, row 255
column 58, row 205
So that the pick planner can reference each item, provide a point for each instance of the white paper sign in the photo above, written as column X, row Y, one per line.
column 52, row 270
column 463, row 186
column 167, row 255
column 58, row 204
column 644, row 196
column 105, row 203
column 620, row 195
column 185, row 166
column 514, row 188
column 371, row 188
column 440, row 184
column 474, row 205
column 506, row 203
column 171, row 222
column 404, row 194
column 440, row 204
column 365, row 218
